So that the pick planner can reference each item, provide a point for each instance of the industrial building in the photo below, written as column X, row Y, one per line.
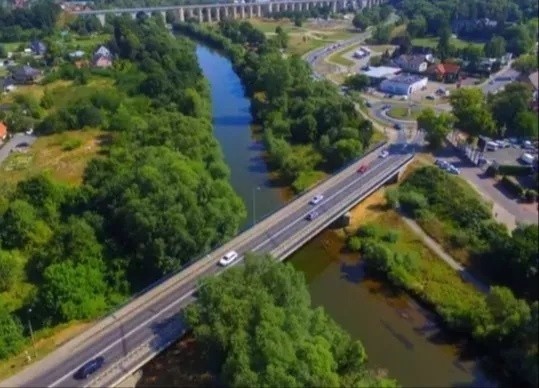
column 403, row 85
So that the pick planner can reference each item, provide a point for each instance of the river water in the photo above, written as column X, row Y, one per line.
column 399, row 336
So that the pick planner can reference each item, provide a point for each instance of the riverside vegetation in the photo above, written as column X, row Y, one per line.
column 454, row 215
column 156, row 200
column 309, row 129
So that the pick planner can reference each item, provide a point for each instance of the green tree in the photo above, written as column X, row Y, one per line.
column 506, row 105
column 444, row 49
column 436, row 127
column 360, row 21
column 18, row 223
column 495, row 47
column 10, row 269
column 382, row 34
column 417, row 27
column 526, row 64
column 3, row 52
column 471, row 112
column 358, row 82
column 257, row 323
column 526, row 124
column 11, row 333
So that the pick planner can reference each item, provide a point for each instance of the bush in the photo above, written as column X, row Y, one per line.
column 391, row 237
column 354, row 244
column 412, row 201
column 512, row 185
column 514, row 170
column 370, row 231
column 392, row 197
column 531, row 196
column 71, row 144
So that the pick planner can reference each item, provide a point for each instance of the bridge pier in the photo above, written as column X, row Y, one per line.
column 101, row 18
column 250, row 9
column 208, row 10
column 200, row 15
column 242, row 11
column 181, row 15
column 259, row 10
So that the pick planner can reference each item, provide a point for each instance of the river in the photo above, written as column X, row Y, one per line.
column 399, row 336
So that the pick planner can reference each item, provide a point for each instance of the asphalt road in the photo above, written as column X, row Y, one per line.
column 143, row 323
column 498, row 81
column 12, row 143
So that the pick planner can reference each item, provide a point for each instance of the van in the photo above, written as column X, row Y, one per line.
column 491, row 146
column 527, row 158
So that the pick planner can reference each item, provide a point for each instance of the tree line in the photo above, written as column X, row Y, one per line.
column 23, row 23
column 455, row 216
column 158, row 199
column 307, row 125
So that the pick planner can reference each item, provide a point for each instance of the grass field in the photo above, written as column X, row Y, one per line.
column 433, row 41
column 402, row 112
column 63, row 155
column 339, row 57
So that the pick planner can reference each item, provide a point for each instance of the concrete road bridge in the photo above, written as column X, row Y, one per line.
column 135, row 333
column 218, row 11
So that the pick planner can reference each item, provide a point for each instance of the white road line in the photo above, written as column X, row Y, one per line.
column 192, row 291
column 111, row 345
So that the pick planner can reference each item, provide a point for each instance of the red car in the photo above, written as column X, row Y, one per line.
column 362, row 169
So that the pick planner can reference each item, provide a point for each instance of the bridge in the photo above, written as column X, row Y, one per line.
column 149, row 322
column 216, row 12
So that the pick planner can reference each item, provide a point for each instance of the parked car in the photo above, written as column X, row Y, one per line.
column 229, row 258
column 89, row 368
column 442, row 164
column 384, row 154
column 311, row 216
column 398, row 126
column 317, row 199
column 453, row 170
column 368, row 104
column 362, row 169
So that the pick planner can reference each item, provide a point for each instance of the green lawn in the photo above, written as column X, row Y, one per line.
column 433, row 41
column 339, row 57
column 403, row 112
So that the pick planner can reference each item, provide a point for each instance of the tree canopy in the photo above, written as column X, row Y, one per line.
column 256, row 320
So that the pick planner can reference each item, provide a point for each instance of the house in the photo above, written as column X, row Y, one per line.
column 3, row 131
column 25, row 75
column 403, row 84
column 411, row 63
column 102, row 62
column 102, row 51
column 76, row 54
column 533, row 80
column 38, row 47
column 444, row 72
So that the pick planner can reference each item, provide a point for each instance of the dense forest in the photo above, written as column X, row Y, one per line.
column 23, row 23
column 156, row 201
column 307, row 125
column 257, row 323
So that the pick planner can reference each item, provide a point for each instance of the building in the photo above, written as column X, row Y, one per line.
column 102, row 51
column 403, row 84
column 102, row 58
column 380, row 73
column 3, row 131
column 412, row 63
column 25, row 75
column 444, row 72
column 77, row 54
column 38, row 47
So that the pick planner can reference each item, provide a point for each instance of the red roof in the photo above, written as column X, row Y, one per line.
column 3, row 130
column 446, row 68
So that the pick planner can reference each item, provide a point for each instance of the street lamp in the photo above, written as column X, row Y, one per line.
column 32, row 332
column 255, row 189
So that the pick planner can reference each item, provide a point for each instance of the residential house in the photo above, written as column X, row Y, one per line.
column 102, row 58
column 3, row 131
column 102, row 51
column 411, row 63
column 444, row 72
column 25, row 75
column 7, row 85
column 38, row 47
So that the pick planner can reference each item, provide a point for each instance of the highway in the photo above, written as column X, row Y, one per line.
column 134, row 328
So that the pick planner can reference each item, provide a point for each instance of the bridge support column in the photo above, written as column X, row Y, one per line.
column 234, row 12
column 209, row 14
column 259, row 10
column 101, row 18
column 307, row 6
column 334, row 7
column 190, row 13
column 181, row 15
column 133, row 15
column 242, row 11
column 200, row 15
column 250, row 9
column 164, row 16
column 225, row 12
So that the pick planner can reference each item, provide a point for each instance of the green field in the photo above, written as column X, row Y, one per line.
column 403, row 112
column 433, row 41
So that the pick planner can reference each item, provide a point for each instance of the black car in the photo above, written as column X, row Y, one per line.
column 398, row 126
column 90, row 367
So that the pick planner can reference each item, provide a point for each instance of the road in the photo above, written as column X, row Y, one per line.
column 12, row 143
column 126, row 333
column 497, row 82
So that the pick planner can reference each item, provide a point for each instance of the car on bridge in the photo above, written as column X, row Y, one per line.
column 317, row 199
column 311, row 216
column 384, row 154
column 362, row 168
column 90, row 367
column 229, row 258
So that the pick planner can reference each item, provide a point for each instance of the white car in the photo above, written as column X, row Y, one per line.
column 228, row 258
column 311, row 216
column 384, row 154
column 316, row 199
